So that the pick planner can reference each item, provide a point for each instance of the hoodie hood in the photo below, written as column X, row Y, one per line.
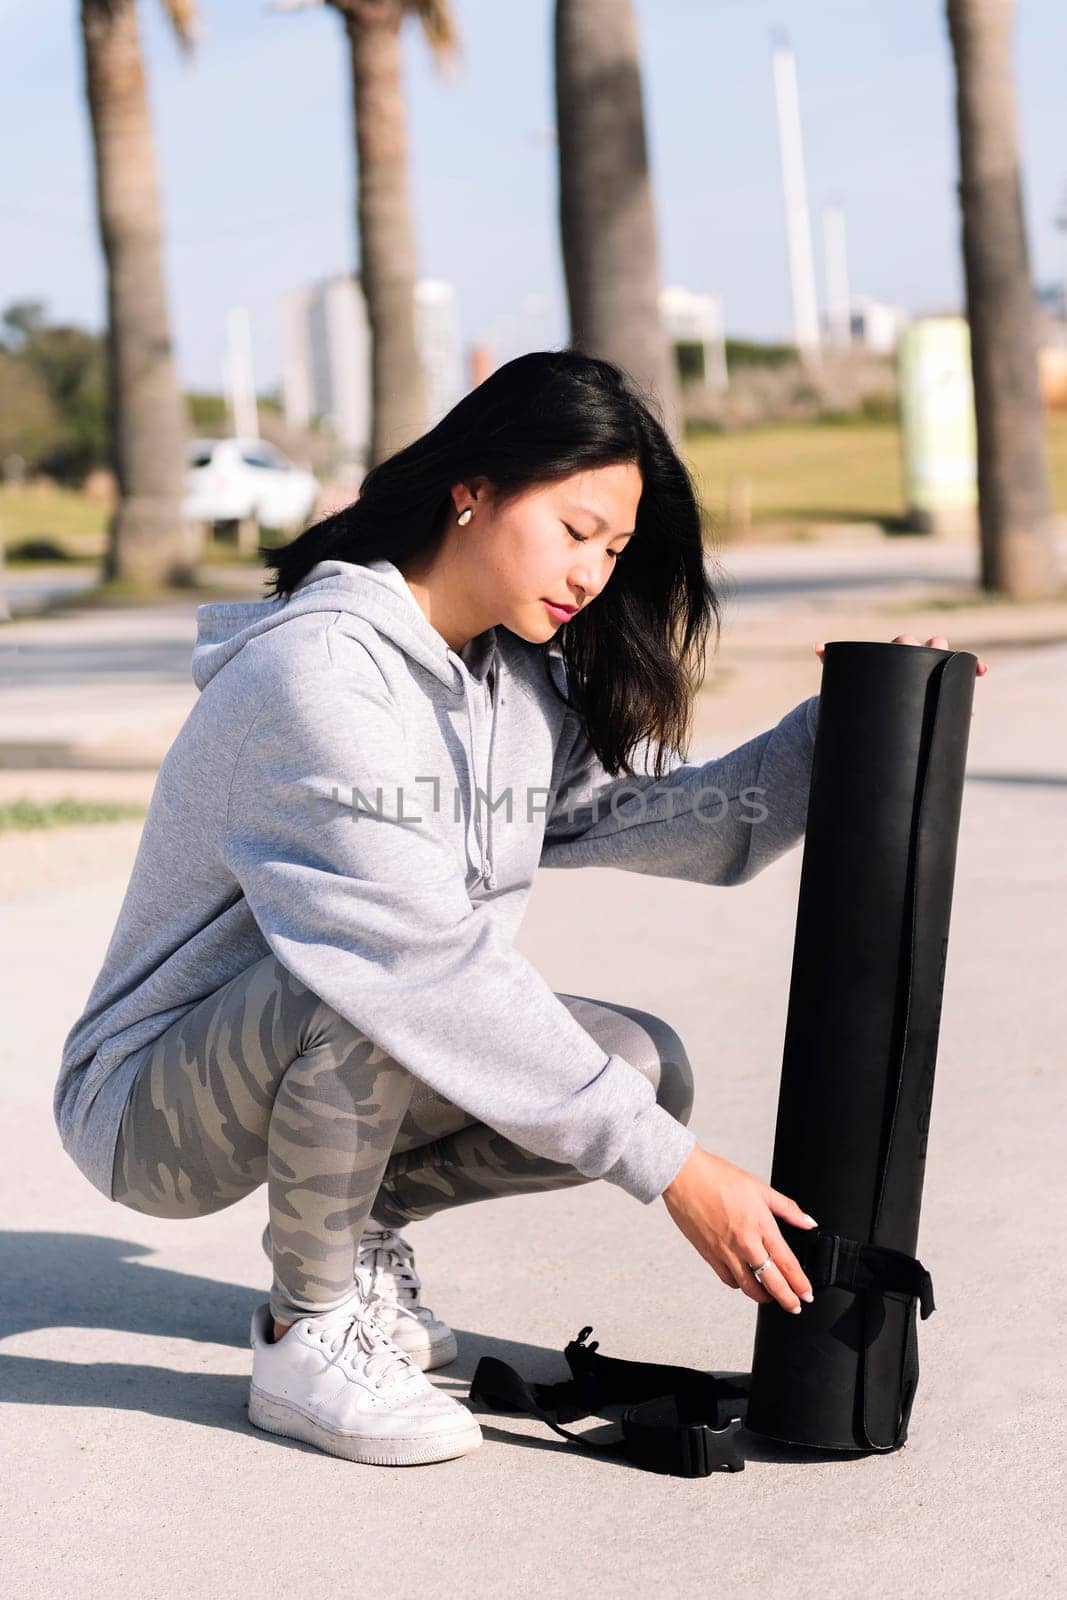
column 378, row 592
column 375, row 590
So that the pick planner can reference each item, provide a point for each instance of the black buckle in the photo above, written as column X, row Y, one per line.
column 654, row 1436
column 703, row 1450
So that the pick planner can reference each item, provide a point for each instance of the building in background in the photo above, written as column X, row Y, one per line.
column 877, row 325
column 694, row 321
column 440, row 341
column 326, row 375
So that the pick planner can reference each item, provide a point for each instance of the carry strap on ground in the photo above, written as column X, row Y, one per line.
column 679, row 1420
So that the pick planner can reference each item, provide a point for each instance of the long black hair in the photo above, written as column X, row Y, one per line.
column 635, row 658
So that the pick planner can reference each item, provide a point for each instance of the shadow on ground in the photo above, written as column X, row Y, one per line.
column 90, row 1281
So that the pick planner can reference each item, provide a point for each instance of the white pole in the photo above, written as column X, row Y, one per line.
column 240, row 384
column 798, row 225
column 835, row 263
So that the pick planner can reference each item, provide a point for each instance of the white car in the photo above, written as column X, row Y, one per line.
column 229, row 480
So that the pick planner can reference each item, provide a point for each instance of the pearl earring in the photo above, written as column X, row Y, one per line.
column 465, row 516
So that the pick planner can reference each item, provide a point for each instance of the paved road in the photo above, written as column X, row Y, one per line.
column 118, row 680
column 763, row 580
column 115, row 681
column 27, row 590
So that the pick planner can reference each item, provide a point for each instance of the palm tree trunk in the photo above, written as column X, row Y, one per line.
column 384, row 221
column 148, row 542
column 607, row 217
column 1018, row 551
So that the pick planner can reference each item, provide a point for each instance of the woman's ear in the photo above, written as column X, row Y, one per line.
column 467, row 492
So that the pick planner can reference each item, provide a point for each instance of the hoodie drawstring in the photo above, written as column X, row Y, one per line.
column 490, row 876
column 474, row 769
column 484, row 843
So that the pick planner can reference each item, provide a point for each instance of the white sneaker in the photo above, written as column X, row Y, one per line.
column 336, row 1380
column 412, row 1326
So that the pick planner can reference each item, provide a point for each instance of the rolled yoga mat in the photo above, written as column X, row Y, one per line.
column 861, row 1043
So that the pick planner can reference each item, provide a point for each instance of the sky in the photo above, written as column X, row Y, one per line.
column 257, row 168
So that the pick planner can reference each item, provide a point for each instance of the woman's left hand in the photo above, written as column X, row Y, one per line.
column 937, row 642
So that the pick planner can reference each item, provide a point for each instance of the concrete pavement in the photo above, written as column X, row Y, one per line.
column 123, row 1341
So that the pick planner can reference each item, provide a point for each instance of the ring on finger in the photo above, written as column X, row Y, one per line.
column 761, row 1266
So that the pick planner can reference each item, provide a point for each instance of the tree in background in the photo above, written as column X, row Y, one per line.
column 148, row 543
column 1018, row 551
column 53, row 407
column 384, row 222
column 29, row 418
column 384, row 215
column 607, row 217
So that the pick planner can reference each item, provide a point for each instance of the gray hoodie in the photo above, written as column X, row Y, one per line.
column 354, row 796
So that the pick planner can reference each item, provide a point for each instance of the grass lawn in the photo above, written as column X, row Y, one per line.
column 17, row 816
column 74, row 525
column 806, row 473
column 64, row 517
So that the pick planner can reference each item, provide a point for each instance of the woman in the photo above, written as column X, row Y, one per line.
column 313, row 983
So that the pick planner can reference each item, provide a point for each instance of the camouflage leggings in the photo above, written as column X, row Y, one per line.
column 264, row 1082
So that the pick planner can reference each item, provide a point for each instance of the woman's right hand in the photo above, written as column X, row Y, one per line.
column 728, row 1215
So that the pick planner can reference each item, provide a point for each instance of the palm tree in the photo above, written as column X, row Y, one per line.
column 607, row 219
column 383, row 203
column 147, row 540
column 1018, row 552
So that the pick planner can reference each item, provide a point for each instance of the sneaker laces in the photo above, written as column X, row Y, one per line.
column 357, row 1325
column 388, row 1255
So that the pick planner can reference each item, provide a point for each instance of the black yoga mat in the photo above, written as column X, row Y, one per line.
column 861, row 1040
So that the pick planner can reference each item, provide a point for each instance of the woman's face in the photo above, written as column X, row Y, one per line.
column 557, row 543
